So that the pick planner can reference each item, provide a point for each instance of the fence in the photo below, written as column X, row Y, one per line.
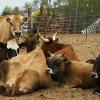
column 64, row 24
column 51, row 25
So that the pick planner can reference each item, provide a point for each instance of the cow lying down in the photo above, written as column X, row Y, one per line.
column 24, row 73
column 73, row 72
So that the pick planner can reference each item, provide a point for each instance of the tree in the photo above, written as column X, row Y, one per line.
column 15, row 10
column 27, row 6
column 44, row 6
column 6, row 11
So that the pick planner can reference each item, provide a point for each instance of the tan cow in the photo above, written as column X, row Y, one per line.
column 11, row 26
column 78, row 73
column 25, row 72
column 73, row 72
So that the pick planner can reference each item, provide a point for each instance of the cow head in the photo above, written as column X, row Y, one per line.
column 55, row 62
column 16, row 21
column 56, row 65
column 96, row 68
column 30, row 43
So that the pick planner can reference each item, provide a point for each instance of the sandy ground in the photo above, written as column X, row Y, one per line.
column 84, row 49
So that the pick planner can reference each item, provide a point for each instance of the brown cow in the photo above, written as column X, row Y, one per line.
column 25, row 72
column 11, row 26
column 3, row 52
column 51, row 45
column 73, row 72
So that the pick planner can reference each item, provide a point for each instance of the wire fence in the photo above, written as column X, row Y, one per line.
column 65, row 24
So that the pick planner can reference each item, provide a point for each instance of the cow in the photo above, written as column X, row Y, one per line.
column 7, row 51
column 30, row 42
column 10, row 27
column 12, row 49
column 96, row 72
column 10, row 35
column 57, row 67
column 24, row 73
column 73, row 72
column 3, row 52
column 51, row 44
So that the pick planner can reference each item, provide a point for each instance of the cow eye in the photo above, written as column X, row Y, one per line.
column 11, row 24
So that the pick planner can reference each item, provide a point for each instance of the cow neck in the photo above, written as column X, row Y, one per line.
column 12, row 44
column 59, row 46
column 68, row 69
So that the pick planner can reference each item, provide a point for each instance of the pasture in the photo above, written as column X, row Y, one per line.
column 84, row 49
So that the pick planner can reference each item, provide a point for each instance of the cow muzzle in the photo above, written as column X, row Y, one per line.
column 18, row 33
column 94, row 75
column 50, row 71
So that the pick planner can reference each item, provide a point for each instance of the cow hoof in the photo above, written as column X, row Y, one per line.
column 8, row 89
column 94, row 92
column 2, row 89
column 22, row 90
column 60, row 85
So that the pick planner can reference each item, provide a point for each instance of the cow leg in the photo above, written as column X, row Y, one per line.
column 97, row 89
column 77, row 82
column 9, row 85
column 60, row 79
column 2, row 89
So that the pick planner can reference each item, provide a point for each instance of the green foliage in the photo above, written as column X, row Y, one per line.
column 6, row 11
column 44, row 6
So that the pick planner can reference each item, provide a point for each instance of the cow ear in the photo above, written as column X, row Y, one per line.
column 91, row 61
column 25, row 19
column 8, row 20
column 56, row 40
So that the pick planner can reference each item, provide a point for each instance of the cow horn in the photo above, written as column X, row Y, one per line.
column 61, row 58
column 42, row 38
column 51, row 54
column 54, row 36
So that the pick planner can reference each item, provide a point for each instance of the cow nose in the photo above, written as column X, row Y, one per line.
column 17, row 33
column 50, row 71
column 94, row 75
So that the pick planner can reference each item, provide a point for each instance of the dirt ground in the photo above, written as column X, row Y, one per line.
column 84, row 49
